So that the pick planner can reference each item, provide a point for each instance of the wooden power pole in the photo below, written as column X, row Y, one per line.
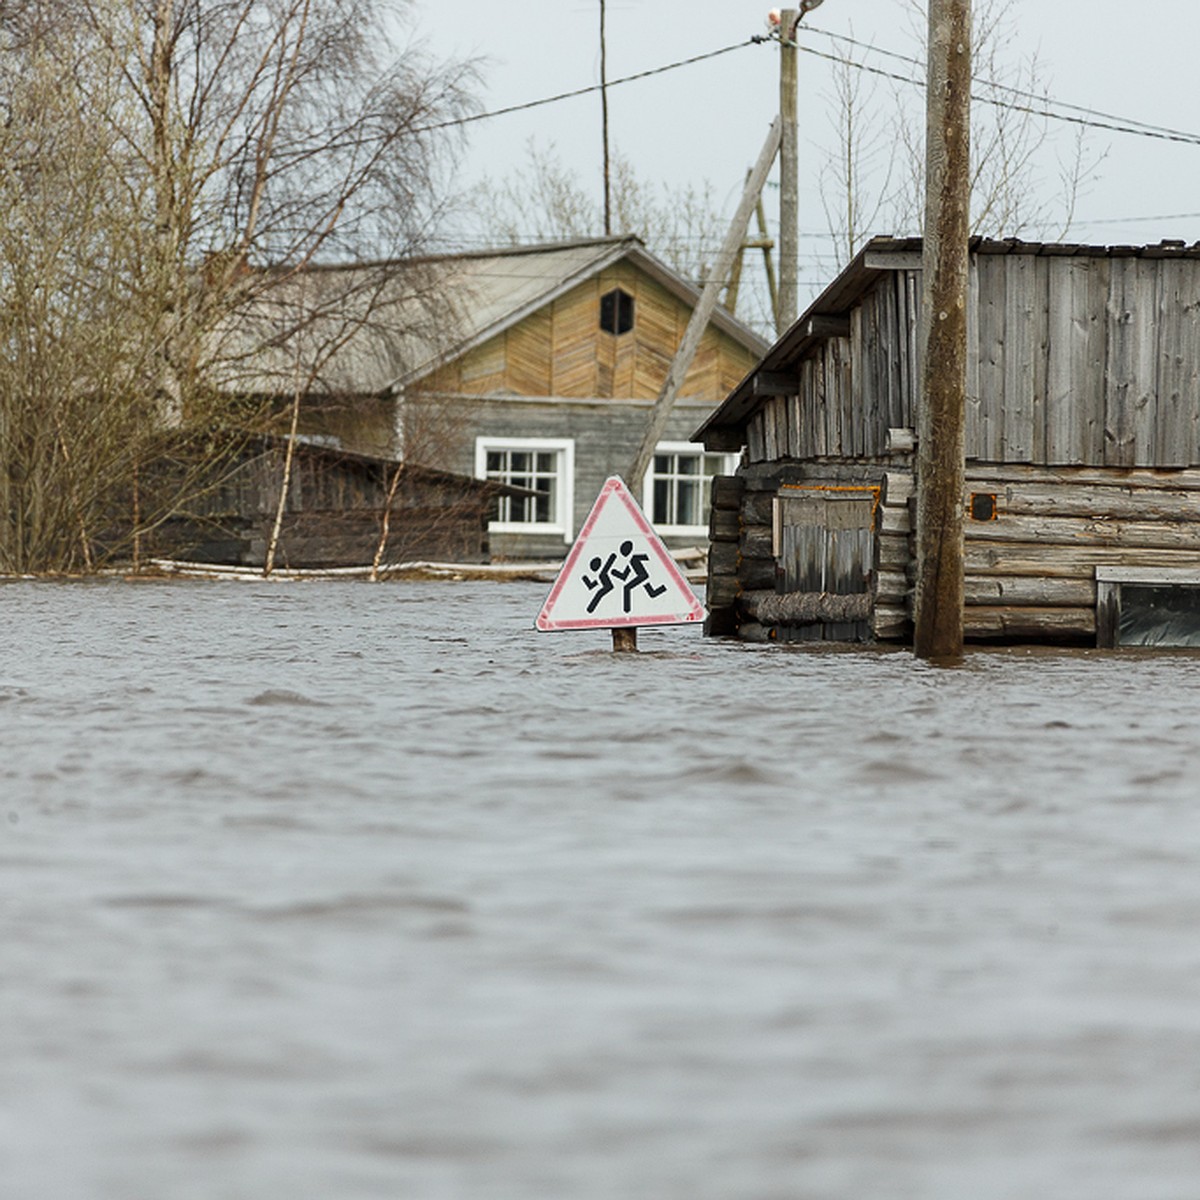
column 938, row 598
column 788, row 307
column 604, row 119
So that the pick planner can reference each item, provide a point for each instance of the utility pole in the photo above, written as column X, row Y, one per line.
column 604, row 121
column 788, row 307
column 938, row 597
column 789, row 176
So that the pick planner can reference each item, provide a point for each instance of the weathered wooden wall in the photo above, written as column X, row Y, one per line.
column 1030, row 571
column 850, row 390
column 757, row 595
column 1083, row 425
column 1076, row 359
column 332, row 515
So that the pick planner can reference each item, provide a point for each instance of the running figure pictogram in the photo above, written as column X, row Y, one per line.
column 603, row 583
column 635, row 575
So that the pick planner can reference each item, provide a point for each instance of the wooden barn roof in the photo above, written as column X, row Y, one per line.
column 829, row 314
column 378, row 327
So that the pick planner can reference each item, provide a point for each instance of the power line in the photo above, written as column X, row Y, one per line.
column 1097, row 120
column 1138, row 220
column 1075, row 114
column 1024, row 93
column 584, row 91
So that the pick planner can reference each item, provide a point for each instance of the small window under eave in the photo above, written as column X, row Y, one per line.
column 616, row 312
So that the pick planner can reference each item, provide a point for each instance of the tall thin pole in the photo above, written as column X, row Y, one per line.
column 604, row 118
column 941, row 423
column 789, row 176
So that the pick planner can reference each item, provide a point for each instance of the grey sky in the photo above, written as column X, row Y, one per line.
column 706, row 122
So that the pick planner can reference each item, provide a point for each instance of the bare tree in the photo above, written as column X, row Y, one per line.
column 544, row 200
column 857, row 175
column 272, row 131
column 156, row 156
column 1024, row 179
column 74, row 343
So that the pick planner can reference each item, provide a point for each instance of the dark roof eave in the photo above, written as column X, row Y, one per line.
column 822, row 320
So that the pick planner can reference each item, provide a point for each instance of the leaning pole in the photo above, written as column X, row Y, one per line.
column 938, row 596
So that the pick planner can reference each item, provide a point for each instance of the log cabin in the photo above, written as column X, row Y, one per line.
column 1082, row 498
column 342, row 509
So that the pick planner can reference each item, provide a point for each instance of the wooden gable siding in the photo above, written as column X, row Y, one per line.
column 561, row 350
column 1072, row 361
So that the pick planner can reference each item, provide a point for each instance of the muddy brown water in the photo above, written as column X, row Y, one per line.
column 339, row 892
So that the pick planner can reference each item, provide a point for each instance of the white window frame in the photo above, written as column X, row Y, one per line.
column 564, row 448
column 729, row 465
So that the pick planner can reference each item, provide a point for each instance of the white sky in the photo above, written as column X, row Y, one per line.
column 706, row 122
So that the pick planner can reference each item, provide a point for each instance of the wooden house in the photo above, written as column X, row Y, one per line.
column 1082, row 500
column 534, row 367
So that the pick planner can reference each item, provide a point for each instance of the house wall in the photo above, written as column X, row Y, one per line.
column 557, row 375
column 605, row 434
column 1030, row 569
column 332, row 517
column 562, row 351
column 1074, row 360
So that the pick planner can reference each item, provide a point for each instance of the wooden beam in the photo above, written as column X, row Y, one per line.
column 703, row 310
column 893, row 260
column 821, row 326
column 789, row 175
column 775, row 383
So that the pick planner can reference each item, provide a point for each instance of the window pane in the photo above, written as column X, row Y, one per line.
column 532, row 470
column 661, row 506
column 688, row 503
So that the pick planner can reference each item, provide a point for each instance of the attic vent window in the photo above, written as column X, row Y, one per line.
column 616, row 312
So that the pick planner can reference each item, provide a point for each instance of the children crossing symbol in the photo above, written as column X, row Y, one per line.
column 618, row 574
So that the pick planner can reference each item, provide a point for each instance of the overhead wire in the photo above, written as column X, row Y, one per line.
column 591, row 89
column 1096, row 121
column 1024, row 93
column 1038, row 104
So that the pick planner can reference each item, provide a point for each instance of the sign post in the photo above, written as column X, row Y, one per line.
column 618, row 575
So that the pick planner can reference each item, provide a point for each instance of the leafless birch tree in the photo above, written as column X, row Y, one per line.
column 157, row 157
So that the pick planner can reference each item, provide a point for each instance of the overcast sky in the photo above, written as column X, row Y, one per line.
column 706, row 122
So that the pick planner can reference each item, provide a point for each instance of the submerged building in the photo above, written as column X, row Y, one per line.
column 1082, row 504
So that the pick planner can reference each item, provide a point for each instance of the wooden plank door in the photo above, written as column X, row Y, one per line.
column 826, row 544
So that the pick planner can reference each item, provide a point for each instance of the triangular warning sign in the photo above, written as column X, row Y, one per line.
column 618, row 573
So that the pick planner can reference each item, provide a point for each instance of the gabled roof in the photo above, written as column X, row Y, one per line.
column 416, row 315
column 829, row 314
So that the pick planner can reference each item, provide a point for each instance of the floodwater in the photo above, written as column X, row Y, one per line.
column 338, row 891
